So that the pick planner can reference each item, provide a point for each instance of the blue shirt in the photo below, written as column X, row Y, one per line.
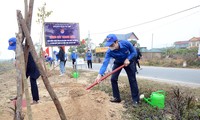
column 126, row 51
column 89, row 56
column 49, row 59
column 74, row 56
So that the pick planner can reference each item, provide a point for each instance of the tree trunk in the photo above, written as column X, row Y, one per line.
column 20, row 74
column 40, row 68
column 24, row 81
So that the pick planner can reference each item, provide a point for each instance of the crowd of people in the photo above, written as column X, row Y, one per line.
column 119, row 53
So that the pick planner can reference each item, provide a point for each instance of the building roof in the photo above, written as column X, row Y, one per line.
column 127, row 36
column 181, row 42
column 153, row 50
column 156, row 50
column 194, row 39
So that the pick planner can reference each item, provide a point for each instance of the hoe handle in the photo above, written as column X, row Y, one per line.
column 104, row 77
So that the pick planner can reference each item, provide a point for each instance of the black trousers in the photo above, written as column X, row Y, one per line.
column 73, row 63
column 34, row 89
column 89, row 62
column 130, row 71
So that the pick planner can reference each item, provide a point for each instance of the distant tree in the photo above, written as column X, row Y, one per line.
column 42, row 14
column 80, row 49
column 102, row 44
column 71, row 48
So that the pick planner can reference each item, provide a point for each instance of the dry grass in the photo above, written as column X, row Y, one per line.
column 189, row 97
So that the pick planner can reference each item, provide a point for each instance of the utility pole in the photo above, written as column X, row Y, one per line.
column 88, row 39
column 199, row 51
column 152, row 41
column 152, row 46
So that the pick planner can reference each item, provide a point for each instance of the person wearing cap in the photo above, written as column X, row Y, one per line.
column 137, row 59
column 31, row 70
column 123, row 52
column 49, row 59
column 89, row 59
column 73, row 58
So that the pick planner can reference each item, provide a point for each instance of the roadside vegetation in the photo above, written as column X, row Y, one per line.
column 5, row 66
column 181, row 103
column 172, row 57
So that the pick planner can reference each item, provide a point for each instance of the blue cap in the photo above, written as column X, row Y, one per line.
column 55, row 52
column 12, row 43
column 110, row 39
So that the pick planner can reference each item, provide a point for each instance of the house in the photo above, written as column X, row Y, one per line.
column 194, row 42
column 129, row 36
column 181, row 44
column 152, row 53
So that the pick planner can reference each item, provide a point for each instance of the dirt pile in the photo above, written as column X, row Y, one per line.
column 78, row 104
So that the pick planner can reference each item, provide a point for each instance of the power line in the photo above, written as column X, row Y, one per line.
column 171, row 22
column 150, row 20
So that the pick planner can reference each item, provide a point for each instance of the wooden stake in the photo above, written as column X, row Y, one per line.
column 39, row 66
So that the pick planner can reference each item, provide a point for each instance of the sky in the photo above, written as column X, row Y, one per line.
column 102, row 17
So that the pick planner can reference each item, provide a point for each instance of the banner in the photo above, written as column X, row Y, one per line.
column 61, row 34
column 101, row 49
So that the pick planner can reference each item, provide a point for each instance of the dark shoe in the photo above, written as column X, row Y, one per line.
column 115, row 100
column 34, row 102
column 135, row 104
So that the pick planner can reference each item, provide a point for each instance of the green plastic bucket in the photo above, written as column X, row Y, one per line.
column 157, row 99
column 75, row 74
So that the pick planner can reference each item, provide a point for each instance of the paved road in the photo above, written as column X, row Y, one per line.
column 190, row 76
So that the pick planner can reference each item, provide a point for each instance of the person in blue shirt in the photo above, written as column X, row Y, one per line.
column 56, row 57
column 31, row 70
column 123, row 52
column 89, row 58
column 73, row 58
column 49, row 60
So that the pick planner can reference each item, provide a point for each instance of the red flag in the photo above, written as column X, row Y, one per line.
column 47, row 51
column 83, row 41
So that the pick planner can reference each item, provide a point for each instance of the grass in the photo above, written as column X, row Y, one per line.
column 5, row 66
column 181, row 103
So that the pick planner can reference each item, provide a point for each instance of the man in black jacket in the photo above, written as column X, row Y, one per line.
column 137, row 59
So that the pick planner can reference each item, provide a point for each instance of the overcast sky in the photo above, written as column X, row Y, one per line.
column 102, row 17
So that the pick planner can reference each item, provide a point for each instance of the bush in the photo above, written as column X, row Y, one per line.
column 175, row 57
